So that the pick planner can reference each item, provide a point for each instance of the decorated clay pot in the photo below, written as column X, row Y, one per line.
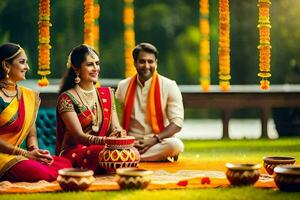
column 271, row 162
column 119, row 152
column 287, row 177
column 133, row 178
column 73, row 179
column 242, row 174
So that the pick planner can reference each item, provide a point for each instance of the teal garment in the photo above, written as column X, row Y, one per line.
column 3, row 104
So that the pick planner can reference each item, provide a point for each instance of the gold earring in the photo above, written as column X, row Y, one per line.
column 7, row 74
column 77, row 79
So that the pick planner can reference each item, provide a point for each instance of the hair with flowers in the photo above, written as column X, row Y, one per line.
column 76, row 57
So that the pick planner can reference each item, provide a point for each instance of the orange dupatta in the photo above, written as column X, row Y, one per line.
column 154, row 113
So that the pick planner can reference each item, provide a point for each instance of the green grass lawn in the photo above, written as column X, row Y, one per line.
column 210, row 150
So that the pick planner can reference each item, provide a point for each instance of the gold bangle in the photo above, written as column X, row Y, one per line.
column 14, row 151
column 96, row 140
column 91, row 139
column 103, row 139
column 20, row 152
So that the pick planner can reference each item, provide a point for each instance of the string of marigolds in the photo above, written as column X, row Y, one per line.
column 264, row 43
column 204, row 47
column 129, row 36
column 44, row 42
column 224, row 45
column 88, row 22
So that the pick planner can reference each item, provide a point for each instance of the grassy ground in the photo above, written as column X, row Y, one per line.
column 216, row 151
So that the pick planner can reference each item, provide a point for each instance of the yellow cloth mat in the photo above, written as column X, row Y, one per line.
column 182, row 174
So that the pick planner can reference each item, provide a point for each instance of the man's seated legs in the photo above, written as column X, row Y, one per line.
column 169, row 147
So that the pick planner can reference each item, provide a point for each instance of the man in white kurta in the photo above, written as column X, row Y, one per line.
column 164, row 145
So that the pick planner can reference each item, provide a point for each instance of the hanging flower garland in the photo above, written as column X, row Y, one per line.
column 129, row 36
column 264, row 43
column 44, row 42
column 88, row 22
column 96, row 29
column 204, row 47
column 224, row 45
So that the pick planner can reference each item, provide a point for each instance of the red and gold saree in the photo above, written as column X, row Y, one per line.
column 80, row 155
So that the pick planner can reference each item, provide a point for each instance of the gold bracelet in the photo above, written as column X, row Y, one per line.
column 91, row 139
column 20, row 152
column 103, row 139
column 14, row 151
column 96, row 140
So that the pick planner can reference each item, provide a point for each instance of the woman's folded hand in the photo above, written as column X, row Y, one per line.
column 118, row 132
column 40, row 155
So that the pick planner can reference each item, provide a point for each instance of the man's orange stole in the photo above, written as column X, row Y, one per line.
column 154, row 114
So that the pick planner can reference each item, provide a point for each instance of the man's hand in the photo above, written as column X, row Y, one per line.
column 42, row 156
column 143, row 145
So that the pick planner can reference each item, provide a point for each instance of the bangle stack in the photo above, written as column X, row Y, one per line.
column 95, row 140
column 20, row 152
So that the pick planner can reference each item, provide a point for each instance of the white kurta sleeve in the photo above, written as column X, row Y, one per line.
column 175, row 111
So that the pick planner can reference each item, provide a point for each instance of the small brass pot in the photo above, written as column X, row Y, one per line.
column 272, row 161
column 242, row 174
column 287, row 177
column 133, row 178
column 73, row 179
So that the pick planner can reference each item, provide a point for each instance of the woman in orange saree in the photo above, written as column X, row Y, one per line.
column 86, row 114
column 18, row 110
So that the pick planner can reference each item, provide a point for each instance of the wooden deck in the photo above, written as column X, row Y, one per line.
column 240, row 96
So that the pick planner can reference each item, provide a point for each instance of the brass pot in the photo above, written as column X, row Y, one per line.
column 73, row 179
column 242, row 174
column 272, row 161
column 287, row 177
column 119, row 152
column 133, row 178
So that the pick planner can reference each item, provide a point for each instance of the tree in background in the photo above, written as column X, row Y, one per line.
column 171, row 25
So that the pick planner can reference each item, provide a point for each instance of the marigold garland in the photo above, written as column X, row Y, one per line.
column 264, row 43
column 129, row 36
column 44, row 42
column 88, row 22
column 224, row 45
column 204, row 46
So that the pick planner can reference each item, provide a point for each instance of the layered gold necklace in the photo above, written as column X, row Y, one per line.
column 90, row 100
column 9, row 90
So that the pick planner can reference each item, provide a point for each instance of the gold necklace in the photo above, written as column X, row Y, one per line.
column 8, row 94
column 87, row 103
column 5, row 87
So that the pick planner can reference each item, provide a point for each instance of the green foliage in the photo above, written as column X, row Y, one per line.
column 171, row 25
column 183, row 60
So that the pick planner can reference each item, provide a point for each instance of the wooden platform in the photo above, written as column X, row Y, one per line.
column 240, row 96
